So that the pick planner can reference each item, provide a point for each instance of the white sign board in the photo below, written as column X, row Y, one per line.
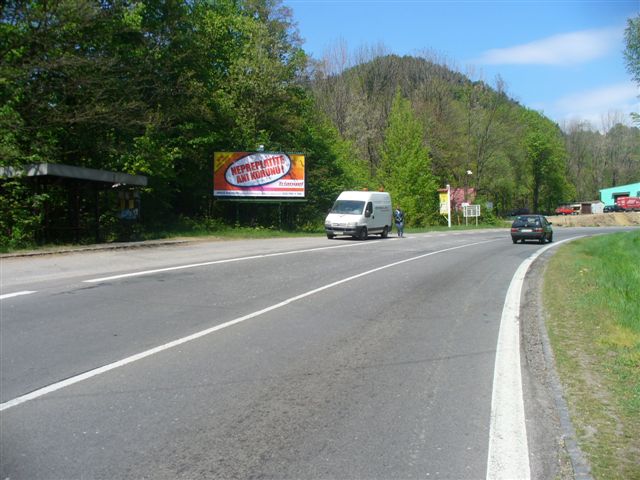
column 471, row 210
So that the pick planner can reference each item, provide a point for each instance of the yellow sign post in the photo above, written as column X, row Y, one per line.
column 445, row 204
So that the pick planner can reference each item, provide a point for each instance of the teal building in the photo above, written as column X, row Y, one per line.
column 608, row 195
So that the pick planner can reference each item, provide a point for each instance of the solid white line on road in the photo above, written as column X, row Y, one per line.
column 228, row 260
column 16, row 294
column 508, row 457
column 106, row 368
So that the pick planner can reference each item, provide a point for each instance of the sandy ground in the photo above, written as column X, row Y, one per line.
column 596, row 219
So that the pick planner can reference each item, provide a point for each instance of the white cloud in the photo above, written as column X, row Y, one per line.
column 618, row 94
column 595, row 105
column 563, row 49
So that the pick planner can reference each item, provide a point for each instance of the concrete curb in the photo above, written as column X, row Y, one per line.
column 97, row 247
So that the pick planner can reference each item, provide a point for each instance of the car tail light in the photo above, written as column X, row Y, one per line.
column 537, row 230
column 514, row 229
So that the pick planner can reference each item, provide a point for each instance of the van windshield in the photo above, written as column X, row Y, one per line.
column 351, row 207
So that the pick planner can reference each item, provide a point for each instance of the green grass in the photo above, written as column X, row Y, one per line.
column 592, row 296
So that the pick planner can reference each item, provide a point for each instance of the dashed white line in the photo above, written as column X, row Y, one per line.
column 16, row 294
column 228, row 260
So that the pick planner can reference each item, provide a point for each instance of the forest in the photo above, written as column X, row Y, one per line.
column 155, row 87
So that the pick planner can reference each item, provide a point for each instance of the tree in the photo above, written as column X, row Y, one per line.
column 632, row 48
column 632, row 53
column 584, row 148
column 545, row 157
column 599, row 160
column 405, row 167
column 150, row 87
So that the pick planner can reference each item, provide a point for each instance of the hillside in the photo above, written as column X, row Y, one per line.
column 476, row 135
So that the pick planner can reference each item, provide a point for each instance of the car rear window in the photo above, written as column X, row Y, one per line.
column 527, row 222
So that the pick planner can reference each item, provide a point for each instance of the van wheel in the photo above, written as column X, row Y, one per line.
column 363, row 234
column 385, row 232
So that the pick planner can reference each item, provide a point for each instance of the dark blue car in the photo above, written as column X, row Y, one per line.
column 531, row 227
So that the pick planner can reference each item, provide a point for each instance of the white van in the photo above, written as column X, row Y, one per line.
column 360, row 213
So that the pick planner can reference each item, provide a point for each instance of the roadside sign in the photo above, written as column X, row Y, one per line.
column 471, row 211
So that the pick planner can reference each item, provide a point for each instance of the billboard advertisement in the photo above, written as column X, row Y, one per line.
column 258, row 175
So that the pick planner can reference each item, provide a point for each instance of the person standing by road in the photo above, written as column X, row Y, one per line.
column 398, row 216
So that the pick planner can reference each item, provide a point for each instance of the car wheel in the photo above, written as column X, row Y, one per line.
column 385, row 232
column 542, row 239
column 330, row 236
column 514, row 240
column 363, row 234
column 550, row 239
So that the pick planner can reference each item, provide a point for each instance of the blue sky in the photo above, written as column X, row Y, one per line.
column 562, row 57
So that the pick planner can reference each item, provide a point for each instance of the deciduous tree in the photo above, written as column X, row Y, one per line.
column 405, row 167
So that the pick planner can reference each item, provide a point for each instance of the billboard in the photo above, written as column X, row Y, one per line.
column 258, row 175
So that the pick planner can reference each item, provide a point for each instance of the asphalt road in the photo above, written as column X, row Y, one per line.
column 288, row 358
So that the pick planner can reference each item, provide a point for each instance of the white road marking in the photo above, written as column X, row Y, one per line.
column 111, row 366
column 508, row 457
column 228, row 260
column 16, row 294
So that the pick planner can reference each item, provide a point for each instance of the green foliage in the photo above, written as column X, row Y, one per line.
column 21, row 214
column 632, row 47
column 155, row 87
column 405, row 169
column 468, row 126
column 10, row 151
column 545, row 156
column 632, row 54
column 152, row 88
column 332, row 166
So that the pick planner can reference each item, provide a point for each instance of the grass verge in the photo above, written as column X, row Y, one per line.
column 592, row 295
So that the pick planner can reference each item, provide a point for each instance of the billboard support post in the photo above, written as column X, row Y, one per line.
column 449, row 205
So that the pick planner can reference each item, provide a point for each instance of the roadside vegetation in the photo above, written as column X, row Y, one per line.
column 155, row 88
column 591, row 293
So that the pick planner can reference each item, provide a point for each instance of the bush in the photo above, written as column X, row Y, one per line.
column 21, row 215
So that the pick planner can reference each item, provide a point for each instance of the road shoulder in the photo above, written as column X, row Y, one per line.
column 553, row 448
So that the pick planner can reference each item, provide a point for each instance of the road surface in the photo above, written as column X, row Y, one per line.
column 288, row 358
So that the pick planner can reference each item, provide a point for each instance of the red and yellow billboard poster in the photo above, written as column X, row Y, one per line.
column 258, row 174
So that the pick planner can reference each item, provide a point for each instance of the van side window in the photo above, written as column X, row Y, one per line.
column 369, row 210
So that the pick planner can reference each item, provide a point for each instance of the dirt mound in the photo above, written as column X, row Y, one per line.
column 597, row 219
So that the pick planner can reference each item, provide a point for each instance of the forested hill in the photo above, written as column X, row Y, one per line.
column 466, row 126
column 518, row 157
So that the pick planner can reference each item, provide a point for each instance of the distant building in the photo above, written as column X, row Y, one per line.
column 592, row 207
column 608, row 196
column 458, row 197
